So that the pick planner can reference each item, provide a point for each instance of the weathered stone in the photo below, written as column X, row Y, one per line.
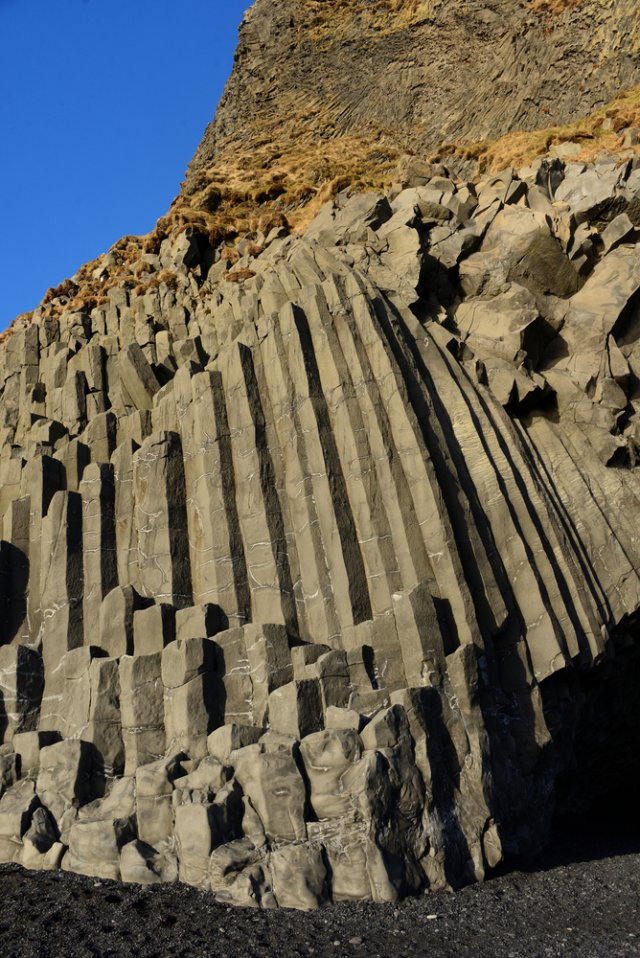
column 116, row 620
column 100, row 573
column 154, row 812
column 137, row 376
column 193, row 831
column 104, row 728
column 71, row 716
column 275, row 788
column 269, row 661
column 27, row 746
column 41, row 851
column 296, row 708
column 15, row 568
column 10, row 769
column 333, row 675
column 209, row 778
column 17, row 806
column 232, row 663
column 228, row 738
column 200, row 621
column 65, row 777
column 386, row 728
column 327, row 756
column 419, row 633
column 143, row 865
column 617, row 232
column 100, row 436
column 142, row 709
column 21, row 676
column 357, row 868
column 239, row 875
column 340, row 718
column 184, row 659
column 299, row 876
column 258, row 506
column 217, row 553
column 302, row 656
column 126, row 532
column 191, row 711
column 102, row 828
column 153, row 628
column 161, row 520
column 61, row 591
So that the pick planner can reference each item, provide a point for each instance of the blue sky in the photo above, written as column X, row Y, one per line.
column 102, row 105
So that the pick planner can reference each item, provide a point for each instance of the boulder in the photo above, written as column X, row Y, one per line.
column 153, row 790
column 298, row 876
column 296, row 708
column 17, row 807
column 142, row 865
column 274, row 786
column 66, row 776
column 100, row 831
column 239, row 875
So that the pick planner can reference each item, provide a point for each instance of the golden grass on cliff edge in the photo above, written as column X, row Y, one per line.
column 285, row 177
column 602, row 131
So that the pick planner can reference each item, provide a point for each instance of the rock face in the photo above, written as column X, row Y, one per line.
column 306, row 578
column 419, row 72
column 319, row 576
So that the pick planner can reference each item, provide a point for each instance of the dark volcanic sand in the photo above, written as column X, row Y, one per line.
column 583, row 899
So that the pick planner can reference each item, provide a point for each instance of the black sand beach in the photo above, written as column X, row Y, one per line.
column 581, row 899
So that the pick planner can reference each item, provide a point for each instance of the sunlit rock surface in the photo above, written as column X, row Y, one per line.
column 311, row 572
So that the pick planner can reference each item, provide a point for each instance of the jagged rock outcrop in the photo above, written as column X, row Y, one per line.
column 309, row 569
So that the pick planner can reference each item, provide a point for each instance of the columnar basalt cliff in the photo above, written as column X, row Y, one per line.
column 320, row 574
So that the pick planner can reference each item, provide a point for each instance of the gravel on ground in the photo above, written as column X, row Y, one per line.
column 581, row 899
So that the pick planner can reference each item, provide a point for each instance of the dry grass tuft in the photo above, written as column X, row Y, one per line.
column 238, row 275
column 252, row 187
column 333, row 19
column 598, row 132
column 281, row 171
column 553, row 7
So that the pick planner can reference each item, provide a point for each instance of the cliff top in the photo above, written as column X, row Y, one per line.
column 330, row 94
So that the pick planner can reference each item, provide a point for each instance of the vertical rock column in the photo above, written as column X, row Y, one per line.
column 41, row 478
column 398, row 390
column 20, row 690
column 28, row 363
column 98, row 539
column 331, row 374
column 308, row 497
column 218, row 563
column 519, row 523
column 259, row 508
column 126, row 535
column 15, row 569
column 161, row 520
column 142, row 704
column 62, row 589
